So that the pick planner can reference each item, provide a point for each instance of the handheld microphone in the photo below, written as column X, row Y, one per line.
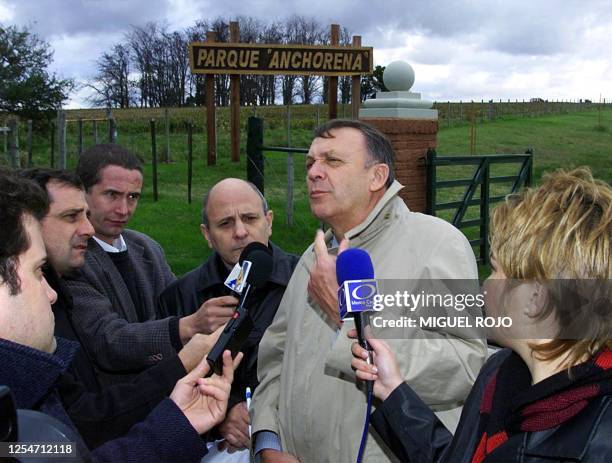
column 258, row 257
column 355, row 275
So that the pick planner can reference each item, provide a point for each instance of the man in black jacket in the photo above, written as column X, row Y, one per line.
column 33, row 362
column 113, row 409
column 234, row 214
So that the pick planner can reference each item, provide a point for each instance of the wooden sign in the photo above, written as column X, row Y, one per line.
column 223, row 58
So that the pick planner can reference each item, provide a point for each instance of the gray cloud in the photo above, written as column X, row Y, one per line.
column 460, row 49
column 60, row 17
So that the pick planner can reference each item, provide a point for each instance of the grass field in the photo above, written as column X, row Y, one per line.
column 558, row 141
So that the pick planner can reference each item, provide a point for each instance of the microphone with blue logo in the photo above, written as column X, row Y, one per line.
column 355, row 275
column 252, row 271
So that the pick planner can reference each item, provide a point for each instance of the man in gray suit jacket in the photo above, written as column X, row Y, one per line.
column 115, row 292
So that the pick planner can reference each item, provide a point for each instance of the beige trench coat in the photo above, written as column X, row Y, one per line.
column 308, row 394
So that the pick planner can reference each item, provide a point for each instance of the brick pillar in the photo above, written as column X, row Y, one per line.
column 411, row 138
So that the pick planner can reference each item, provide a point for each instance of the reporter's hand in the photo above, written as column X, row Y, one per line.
column 385, row 370
column 212, row 314
column 198, row 347
column 322, row 285
column 275, row 456
column 235, row 428
column 204, row 400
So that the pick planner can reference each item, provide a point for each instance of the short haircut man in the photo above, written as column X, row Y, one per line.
column 33, row 362
column 305, row 353
column 234, row 214
column 65, row 231
column 115, row 293
column 116, row 290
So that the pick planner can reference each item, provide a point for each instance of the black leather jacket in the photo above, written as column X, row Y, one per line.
column 415, row 434
column 186, row 295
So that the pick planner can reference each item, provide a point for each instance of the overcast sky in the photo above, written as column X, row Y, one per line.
column 459, row 49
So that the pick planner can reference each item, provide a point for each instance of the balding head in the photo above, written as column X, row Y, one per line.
column 231, row 183
column 234, row 214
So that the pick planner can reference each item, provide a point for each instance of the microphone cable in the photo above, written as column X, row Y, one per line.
column 366, row 427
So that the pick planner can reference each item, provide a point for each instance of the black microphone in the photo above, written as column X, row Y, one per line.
column 239, row 327
column 355, row 275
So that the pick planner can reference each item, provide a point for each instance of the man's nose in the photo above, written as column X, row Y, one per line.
column 122, row 206
column 316, row 171
column 51, row 294
column 86, row 228
column 240, row 229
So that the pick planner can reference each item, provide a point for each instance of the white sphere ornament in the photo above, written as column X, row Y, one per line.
column 398, row 76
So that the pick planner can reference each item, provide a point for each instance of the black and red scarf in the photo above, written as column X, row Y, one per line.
column 511, row 404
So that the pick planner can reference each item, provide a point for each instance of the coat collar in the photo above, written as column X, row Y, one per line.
column 134, row 248
column 31, row 373
column 570, row 440
column 376, row 219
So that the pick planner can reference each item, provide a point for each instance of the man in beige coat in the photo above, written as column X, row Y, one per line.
column 309, row 406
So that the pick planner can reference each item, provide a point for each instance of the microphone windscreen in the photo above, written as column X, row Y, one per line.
column 260, row 257
column 354, row 264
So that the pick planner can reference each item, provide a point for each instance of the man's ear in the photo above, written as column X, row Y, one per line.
column 270, row 218
column 538, row 300
column 205, row 234
column 380, row 174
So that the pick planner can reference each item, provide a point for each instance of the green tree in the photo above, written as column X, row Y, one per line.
column 27, row 88
column 373, row 83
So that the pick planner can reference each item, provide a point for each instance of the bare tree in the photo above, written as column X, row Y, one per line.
column 177, row 47
column 141, row 41
column 291, row 32
column 308, row 32
column 345, row 82
column 112, row 85
column 250, row 31
column 220, row 27
column 273, row 33
column 195, row 89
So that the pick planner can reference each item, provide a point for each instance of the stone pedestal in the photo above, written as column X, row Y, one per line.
column 411, row 138
column 410, row 125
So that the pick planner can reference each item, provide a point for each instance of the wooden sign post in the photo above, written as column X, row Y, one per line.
column 234, row 58
column 211, row 120
column 235, row 99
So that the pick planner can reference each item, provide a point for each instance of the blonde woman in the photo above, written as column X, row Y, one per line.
column 548, row 395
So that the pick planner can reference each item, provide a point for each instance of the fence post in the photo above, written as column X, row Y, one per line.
column 288, row 119
column 491, row 110
column 448, row 116
column 167, row 122
column 290, row 179
column 484, row 213
column 52, row 161
column 80, row 136
column 112, row 133
column 356, row 85
column 460, row 111
column 290, row 172
column 255, row 161
column 529, row 177
column 13, row 144
column 431, row 181
column 154, row 159
column 29, row 142
column 61, row 139
column 95, row 131
column 189, row 159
